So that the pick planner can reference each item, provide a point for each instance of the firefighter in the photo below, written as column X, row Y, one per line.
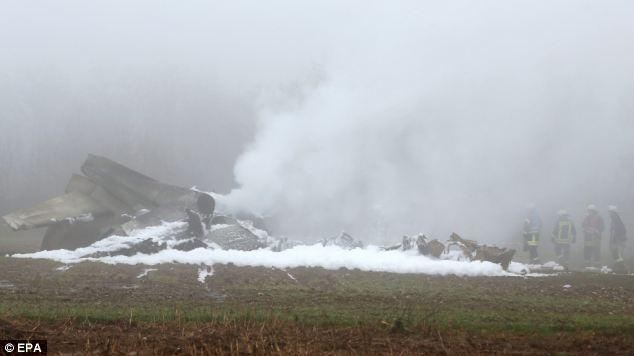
column 564, row 234
column 532, row 230
column 593, row 227
column 618, row 236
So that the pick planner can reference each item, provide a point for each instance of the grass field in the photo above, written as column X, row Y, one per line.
column 92, row 307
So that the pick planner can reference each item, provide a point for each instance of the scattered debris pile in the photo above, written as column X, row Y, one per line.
column 474, row 251
column 470, row 249
column 344, row 240
column 111, row 199
column 220, row 236
column 422, row 243
column 283, row 243
column 233, row 237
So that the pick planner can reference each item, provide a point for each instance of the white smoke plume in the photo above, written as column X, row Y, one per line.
column 435, row 117
column 379, row 118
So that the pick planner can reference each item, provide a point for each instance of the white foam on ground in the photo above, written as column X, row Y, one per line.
column 204, row 272
column 548, row 266
column 110, row 244
column 146, row 271
column 371, row 258
column 291, row 276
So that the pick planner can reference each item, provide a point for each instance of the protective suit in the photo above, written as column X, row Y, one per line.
column 593, row 227
column 564, row 234
column 531, row 232
column 618, row 237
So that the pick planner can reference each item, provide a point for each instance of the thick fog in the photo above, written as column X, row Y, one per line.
column 379, row 118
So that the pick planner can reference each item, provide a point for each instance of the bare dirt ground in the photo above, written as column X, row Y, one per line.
column 93, row 308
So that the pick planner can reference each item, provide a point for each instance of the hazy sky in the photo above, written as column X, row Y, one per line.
column 374, row 117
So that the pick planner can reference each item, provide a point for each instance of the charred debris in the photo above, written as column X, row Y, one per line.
column 109, row 199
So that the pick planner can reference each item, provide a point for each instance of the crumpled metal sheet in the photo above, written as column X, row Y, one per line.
column 68, row 207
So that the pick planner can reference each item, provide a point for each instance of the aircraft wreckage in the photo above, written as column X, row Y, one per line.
column 110, row 199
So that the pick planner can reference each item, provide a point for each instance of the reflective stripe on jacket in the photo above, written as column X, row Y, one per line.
column 532, row 238
column 564, row 232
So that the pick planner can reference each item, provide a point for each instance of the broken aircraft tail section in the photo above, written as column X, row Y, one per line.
column 109, row 198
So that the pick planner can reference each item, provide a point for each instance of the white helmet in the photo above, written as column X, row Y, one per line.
column 613, row 208
column 592, row 207
column 562, row 212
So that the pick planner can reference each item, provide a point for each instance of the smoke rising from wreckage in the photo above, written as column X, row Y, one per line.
column 111, row 200
column 346, row 125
